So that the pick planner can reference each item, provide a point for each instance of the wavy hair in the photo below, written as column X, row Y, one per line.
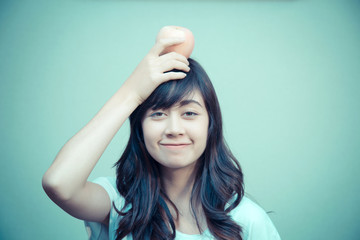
column 218, row 186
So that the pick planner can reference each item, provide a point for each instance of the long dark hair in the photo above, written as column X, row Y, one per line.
column 218, row 186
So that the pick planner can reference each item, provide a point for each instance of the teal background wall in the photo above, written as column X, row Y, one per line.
column 286, row 72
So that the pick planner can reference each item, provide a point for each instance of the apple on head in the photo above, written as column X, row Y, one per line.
column 184, row 48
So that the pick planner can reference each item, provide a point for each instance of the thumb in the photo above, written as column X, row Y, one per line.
column 162, row 43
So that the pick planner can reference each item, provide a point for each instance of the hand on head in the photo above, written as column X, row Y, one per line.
column 157, row 67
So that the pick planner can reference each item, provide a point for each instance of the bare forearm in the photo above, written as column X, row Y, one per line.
column 75, row 161
column 78, row 157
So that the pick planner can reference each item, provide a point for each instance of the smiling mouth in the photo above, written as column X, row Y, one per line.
column 175, row 146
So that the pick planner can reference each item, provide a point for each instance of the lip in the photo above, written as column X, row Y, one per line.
column 175, row 145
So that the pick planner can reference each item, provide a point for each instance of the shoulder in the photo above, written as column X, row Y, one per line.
column 255, row 222
column 109, row 184
column 96, row 230
column 248, row 211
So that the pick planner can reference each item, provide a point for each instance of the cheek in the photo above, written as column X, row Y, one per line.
column 150, row 133
column 152, row 136
column 204, row 137
column 200, row 132
column 145, row 130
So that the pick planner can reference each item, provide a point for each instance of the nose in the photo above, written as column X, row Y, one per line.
column 174, row 126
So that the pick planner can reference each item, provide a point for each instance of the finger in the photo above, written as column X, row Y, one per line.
column 172, row 76
column 174, row 64
column 163, row 43
column 174, row 56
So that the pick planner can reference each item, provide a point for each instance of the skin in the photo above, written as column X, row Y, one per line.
column 65, row 181
column 186, row 47
column 176, row 138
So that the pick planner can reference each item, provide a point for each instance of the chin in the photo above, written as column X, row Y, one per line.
column 177, row 164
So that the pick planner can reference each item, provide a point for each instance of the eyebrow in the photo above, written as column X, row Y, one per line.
column 187, row 102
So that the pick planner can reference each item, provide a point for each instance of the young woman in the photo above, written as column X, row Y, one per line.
column 176, row 178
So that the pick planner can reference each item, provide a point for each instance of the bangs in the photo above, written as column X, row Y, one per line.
column 172, row 92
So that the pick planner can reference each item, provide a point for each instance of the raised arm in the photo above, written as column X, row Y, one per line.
column 65, row 182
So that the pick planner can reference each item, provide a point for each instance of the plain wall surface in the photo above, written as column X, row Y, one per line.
column 286, row 73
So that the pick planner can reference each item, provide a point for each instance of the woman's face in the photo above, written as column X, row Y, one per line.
column 176, row 137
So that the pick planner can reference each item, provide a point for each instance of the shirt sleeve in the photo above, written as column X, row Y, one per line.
column 255, row 222
column 109, row 184
column 95, row 230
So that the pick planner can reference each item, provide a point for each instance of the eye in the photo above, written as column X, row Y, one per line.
column 157, row 115
column 190, row 114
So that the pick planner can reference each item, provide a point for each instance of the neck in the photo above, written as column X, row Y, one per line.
column 178, row 183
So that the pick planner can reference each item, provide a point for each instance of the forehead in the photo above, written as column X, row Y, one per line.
column 194, row 97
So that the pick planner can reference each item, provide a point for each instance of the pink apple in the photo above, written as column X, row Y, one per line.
column 184, row 48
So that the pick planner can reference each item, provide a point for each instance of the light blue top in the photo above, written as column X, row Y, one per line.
column 254, row 221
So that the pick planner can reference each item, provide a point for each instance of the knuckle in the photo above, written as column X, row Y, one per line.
column 153, row 76
column 173, row 54
column 162, row 42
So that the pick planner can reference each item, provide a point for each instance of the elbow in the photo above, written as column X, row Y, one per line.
column 54, row 188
